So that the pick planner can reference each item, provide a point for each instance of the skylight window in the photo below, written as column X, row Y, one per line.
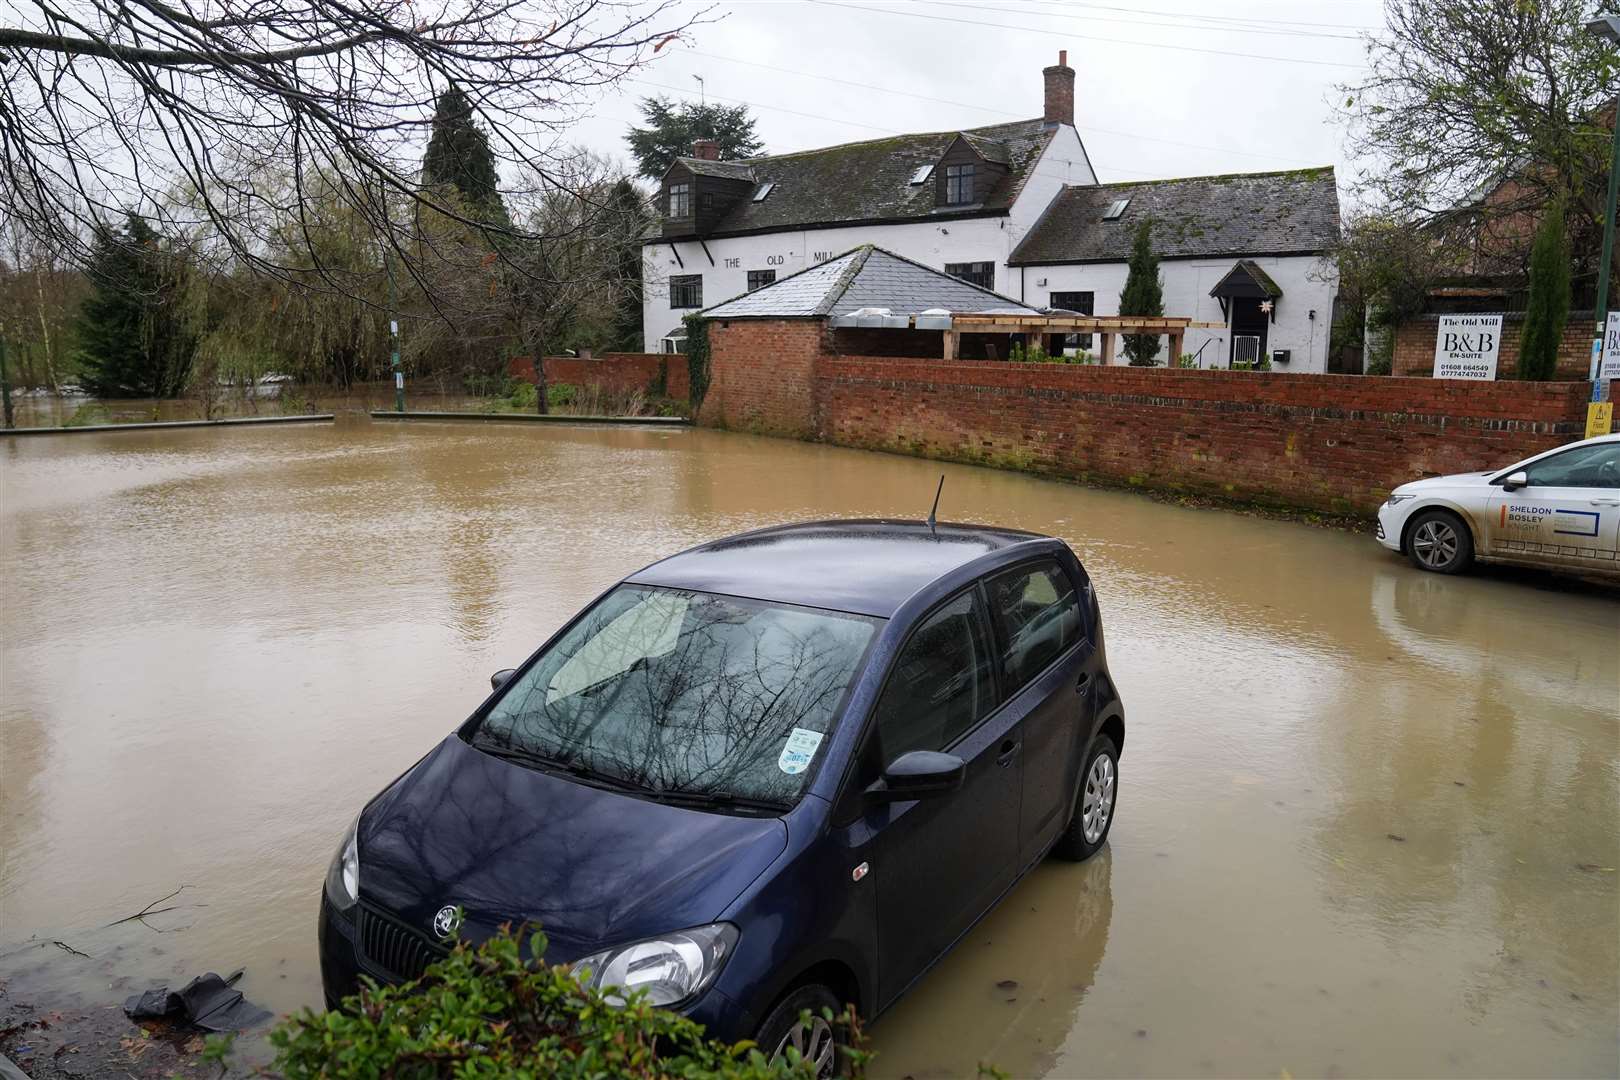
column 764, row 190
column 1115, row 209
column 922, row 174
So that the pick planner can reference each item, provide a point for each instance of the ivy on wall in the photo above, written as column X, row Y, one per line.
column 697, row 360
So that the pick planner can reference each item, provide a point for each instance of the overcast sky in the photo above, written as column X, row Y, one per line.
column 1168, row 88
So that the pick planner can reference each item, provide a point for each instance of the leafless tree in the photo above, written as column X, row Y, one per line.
column 193, row 112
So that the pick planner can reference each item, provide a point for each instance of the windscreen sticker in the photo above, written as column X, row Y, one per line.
column 801, row 747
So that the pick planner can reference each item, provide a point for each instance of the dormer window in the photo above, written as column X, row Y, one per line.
column 958, row 184
column 680, row 200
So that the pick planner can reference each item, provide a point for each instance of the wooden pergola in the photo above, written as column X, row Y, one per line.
column 1036, row 327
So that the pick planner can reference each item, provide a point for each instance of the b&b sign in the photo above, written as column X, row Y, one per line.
column 1466, row 346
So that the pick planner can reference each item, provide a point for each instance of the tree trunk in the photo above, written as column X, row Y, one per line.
column 45, row 330
column 534, row 339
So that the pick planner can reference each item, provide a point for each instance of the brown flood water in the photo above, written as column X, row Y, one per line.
column 1369, row 818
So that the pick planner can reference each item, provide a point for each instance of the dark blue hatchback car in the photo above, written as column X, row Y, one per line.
column 785, row 770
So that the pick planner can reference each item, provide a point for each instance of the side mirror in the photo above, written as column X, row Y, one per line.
column 921, row 774
column 1515, row 481
column 498, row 680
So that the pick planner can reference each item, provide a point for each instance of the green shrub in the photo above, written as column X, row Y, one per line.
column 1186, row 360
column 1378, row 365
column 557, row 394
column 523, row 396
column 486, row 1012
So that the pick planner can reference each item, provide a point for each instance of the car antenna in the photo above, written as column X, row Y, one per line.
column 935, row 508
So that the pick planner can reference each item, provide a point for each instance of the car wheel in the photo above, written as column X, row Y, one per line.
column 1094, row 806
column 1440, row 542
column 816, row 1038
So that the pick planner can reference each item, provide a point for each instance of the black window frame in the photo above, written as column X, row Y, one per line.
column 692, row 282
column 678, row 195
column 1081, row 341
column 758, row 279
column 981, row 273
column 959, row 182
column 1077, row 590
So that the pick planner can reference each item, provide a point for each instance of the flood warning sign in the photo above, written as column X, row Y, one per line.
column 1465, row 346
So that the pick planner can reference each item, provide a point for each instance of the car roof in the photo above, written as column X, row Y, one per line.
column 868, row 566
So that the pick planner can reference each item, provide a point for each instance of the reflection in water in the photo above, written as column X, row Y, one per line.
column 1005, row 995
column 1367, row 816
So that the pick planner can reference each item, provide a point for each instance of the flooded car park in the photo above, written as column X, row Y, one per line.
column 1367, row 824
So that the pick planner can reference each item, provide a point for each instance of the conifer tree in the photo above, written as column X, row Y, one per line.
column 1143, row 295
column 630, row 221
column 134, row 338
column 458, row 156
column 1547, row 308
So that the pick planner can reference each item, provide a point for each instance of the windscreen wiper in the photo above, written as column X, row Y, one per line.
column 547, row 763
column 717, row 799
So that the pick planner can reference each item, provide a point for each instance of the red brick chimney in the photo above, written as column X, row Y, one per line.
column 1060, row 91
column 709, row 150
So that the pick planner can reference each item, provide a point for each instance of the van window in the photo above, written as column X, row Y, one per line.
column 941, row 684
column 1038, row 617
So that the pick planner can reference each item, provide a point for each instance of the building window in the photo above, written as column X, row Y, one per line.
column 680, row 200
column 1081, row 303
column 758, row 279
column 706, row 200
column 982, row 274
column 958, row 184
column 686, row 290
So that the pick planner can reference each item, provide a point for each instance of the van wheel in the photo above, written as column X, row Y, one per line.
column 1440, row 542
column 817, row 1039
column 1094, row 807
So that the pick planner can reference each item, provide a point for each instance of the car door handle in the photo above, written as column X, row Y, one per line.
column 1007, row 752
column 1606, row 502
column 1084, row 684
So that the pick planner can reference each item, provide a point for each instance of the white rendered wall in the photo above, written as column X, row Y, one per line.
column 1307, row 283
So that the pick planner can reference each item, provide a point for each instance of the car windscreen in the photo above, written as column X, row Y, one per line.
column 667, row 690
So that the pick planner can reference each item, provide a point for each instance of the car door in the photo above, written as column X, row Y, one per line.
column 1045, row 674
column 939, row 863
column 1568, row 512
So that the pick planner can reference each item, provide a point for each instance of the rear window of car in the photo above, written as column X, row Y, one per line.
column 1037, row 616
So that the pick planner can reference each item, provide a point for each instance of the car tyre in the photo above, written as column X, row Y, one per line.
column 1439, row 541
column 1095, row 804
column 816, row 1038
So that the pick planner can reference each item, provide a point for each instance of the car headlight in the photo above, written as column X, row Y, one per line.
column 669, row 969
column 343, row 878
column 1396, row 500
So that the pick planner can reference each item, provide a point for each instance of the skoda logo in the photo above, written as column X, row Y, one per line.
column 447, row 921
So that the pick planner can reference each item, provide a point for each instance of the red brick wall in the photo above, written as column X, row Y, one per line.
column 1414, row 347
column 762, row 376
column 611, row 371
column 1335, row 442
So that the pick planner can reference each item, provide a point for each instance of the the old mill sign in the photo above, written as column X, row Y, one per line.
column 1466, row 346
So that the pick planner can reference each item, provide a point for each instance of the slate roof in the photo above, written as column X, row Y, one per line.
column 1292, row 212
column 871, row 181
column 866, row 276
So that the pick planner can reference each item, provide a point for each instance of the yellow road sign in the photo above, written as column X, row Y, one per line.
column 1599, row 418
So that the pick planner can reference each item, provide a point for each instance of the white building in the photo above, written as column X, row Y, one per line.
column 1015, row 208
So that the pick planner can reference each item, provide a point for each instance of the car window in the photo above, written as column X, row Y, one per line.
column 942, row 682
column 1596, row 466
column 1038, row 616
column 674, row 690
